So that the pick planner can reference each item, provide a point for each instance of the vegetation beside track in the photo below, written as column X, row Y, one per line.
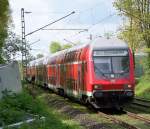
column 18, row 107
column 142, row 89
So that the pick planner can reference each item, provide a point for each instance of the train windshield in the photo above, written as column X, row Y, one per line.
column 111, row 63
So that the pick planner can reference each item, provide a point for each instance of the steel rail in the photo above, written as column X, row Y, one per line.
column 133, row 115
column 142, row 100
column 140, row 104
column 117, row 121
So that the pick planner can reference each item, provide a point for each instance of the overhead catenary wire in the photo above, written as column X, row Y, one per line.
column 68, row 29
column 50, row 24
column 103, row 19
column 88, row 28
column 34, row 42
column 79, row 12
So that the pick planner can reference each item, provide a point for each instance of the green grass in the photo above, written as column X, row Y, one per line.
column 17, row 107
column 143, row 87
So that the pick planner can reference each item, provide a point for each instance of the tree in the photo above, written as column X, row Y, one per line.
column 66, row 46
column 137, row 30
column 55, row 46
column 12, row 46
column 132, row 36
column 4, row 17
column 108, row 35
column 39, row 56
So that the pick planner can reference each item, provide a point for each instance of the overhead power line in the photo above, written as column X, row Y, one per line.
column 69, row 41
column 34, row 42
column 49, row 24
column 103, row 19
column 67, row 29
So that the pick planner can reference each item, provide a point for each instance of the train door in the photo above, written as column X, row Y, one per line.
column 79, row 79
column 45, row 77
column 57, row 75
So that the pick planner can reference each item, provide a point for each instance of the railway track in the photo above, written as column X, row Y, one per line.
column 141, row 102
column 133, row 115
column 118, row 121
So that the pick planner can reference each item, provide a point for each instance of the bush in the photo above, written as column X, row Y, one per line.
column 143, row 87
column 17, row 107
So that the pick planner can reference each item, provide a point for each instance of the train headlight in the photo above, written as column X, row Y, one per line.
column 126, row 86
column 129, row 86
column 97, row 86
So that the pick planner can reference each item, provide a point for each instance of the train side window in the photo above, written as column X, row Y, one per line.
column 64, row 68
column 85, row 66
column 79, row 55
column 71, row 58
column 75, row 56
column 67, row 58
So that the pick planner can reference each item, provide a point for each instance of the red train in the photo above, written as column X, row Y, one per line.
column 100, row 73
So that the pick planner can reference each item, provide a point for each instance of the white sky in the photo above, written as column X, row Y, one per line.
column 88, row 13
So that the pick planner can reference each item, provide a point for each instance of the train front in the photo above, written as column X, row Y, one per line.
column 113, row 74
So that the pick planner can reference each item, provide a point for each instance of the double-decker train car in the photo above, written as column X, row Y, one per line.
column 100, row 73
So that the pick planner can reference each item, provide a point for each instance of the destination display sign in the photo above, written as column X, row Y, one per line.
column 110, row 53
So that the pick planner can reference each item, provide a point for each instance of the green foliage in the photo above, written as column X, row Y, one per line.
column 136, row 30
column 54, row 120
column 143, row 87
column 13, row 44
column 39, row 55
column 15, row 107
column 4, row 16
column 134, row 39
column 108, row 35
column 19, row 107
column 146, row 65
column 66, row 46
column 55, row 46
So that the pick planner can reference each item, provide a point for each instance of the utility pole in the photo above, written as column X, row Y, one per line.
column 24, row 62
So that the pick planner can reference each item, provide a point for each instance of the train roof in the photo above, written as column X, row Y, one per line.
column 99, row 43
column 40, row 61
column 104, row 43
column 96, row 44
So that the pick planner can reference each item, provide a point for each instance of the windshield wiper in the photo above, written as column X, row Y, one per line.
column 100, row 72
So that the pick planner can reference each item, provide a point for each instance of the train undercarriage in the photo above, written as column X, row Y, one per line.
column 111, row 99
